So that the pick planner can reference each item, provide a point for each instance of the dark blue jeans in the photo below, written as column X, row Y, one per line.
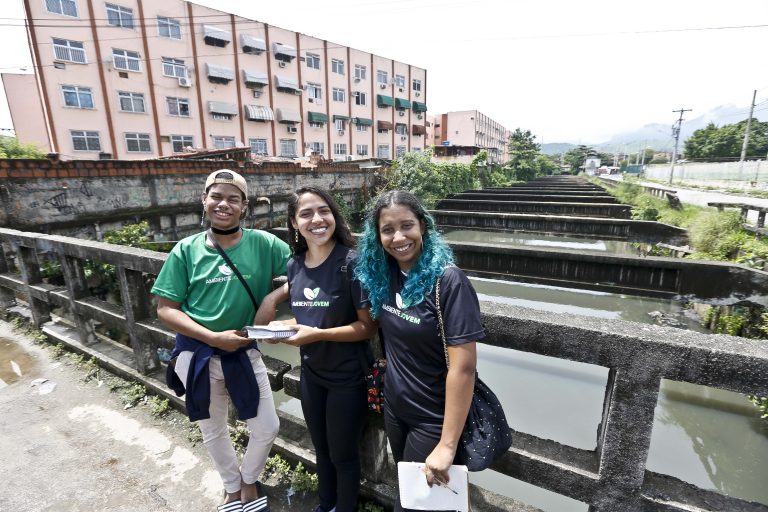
column 334, row 417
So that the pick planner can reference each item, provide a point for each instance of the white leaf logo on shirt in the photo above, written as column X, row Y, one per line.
column 225, row 270
column 400, row 303
column 311, row 294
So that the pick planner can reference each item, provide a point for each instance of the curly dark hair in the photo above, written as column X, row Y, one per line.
column 341, row 234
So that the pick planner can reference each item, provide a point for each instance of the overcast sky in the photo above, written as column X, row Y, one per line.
column 568, row 71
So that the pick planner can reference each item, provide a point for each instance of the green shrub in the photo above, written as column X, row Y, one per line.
column 302, row 480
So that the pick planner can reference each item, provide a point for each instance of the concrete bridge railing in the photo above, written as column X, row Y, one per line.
column 612, row 477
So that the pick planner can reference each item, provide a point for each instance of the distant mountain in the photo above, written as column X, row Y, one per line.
column 556, row 148
column 659, row 136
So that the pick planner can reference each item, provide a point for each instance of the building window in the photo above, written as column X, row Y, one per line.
column 317, row 147
column 359, row 98
column 174, row 67
column 85, row 141
column 70, row 51
column 360, row 72
column 400, row 80
column 339, row 124
column 119, row 16
column 137, row 143
column 178, row 106
column 179, row 142
column 78, row 97
column 131, row 102
column 168, row 27
column 339, row 149
column 382, row 77
column 223, row 142
column 416, row 85
column 218, row 116
column 382, row 151
column 312, row 60
column 288, row 147
column 315, row 125
column 65, row 7
column 337, row 66
column 401, row 129
column 258, row 146
column 362, row 127
column 314, row 91
column 339, row 94
column 362, row 149
column 126, row 60
column 399, row 151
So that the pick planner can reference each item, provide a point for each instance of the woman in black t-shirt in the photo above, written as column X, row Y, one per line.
column 426, row 404
column 332, row 324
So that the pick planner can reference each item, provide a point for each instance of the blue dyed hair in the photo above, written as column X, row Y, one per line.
column 373, row 262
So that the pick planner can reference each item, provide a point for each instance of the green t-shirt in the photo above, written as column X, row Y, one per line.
column 197, row 277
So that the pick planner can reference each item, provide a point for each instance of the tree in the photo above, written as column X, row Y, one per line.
column 10, row 147
column 575, row 157
column 523, row 154
column 725, row 142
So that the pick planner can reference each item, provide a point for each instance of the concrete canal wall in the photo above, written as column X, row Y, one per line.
column 84, row 199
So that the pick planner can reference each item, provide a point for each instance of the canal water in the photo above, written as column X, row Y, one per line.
column 709, row 437
column 539, row 240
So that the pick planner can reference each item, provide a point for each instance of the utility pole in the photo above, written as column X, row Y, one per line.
column 676, row 135
column 746, row 134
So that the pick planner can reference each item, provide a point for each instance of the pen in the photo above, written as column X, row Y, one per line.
column 443, row 484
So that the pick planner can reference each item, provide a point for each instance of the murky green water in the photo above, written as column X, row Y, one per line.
column 538, row 240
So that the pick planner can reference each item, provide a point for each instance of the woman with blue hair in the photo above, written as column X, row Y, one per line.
column 401, row 259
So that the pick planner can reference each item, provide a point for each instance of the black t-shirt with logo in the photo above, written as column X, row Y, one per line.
column 416, row 370
column 328, row 296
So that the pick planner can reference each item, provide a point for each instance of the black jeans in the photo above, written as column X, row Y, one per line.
column 410, row 442
column 334, row 417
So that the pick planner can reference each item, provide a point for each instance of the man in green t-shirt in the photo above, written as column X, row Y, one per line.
column 204, row 301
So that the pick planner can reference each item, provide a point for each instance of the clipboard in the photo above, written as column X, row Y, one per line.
column 417, row 495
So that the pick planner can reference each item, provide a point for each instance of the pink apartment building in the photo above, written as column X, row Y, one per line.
column 458, row 136
column 134, row 79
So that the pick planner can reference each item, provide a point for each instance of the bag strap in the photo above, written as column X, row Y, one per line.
column 440, row 320
column 233, row 268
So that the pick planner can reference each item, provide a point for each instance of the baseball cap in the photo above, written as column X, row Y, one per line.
column 229, row 177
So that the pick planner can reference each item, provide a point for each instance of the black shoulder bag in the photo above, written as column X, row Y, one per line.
column 486, row 435
column 234, row 269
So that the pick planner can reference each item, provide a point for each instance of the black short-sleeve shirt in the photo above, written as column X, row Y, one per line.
column 328, row 296
column 416, row 370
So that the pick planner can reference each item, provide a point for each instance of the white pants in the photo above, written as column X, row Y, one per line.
column 262, row 428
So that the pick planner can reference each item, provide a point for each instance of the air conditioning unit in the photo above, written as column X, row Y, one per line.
column 401, row 113
column 292, row 129
column 185, row 82
column 281, row 63
column 311, row 100
column 348, row 157
column 256, row 94
column 400, row 89
column 419, row 116
column 357, row 79
column 417, row 94
column 341, row 132
column 403, row 137
column 382, row 86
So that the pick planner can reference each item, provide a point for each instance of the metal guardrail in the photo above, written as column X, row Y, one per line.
column 613, row 477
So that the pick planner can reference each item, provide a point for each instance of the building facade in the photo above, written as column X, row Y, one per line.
column 134, row 79
column 458, row 136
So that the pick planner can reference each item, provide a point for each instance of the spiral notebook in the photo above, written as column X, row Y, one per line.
column 417, row 495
